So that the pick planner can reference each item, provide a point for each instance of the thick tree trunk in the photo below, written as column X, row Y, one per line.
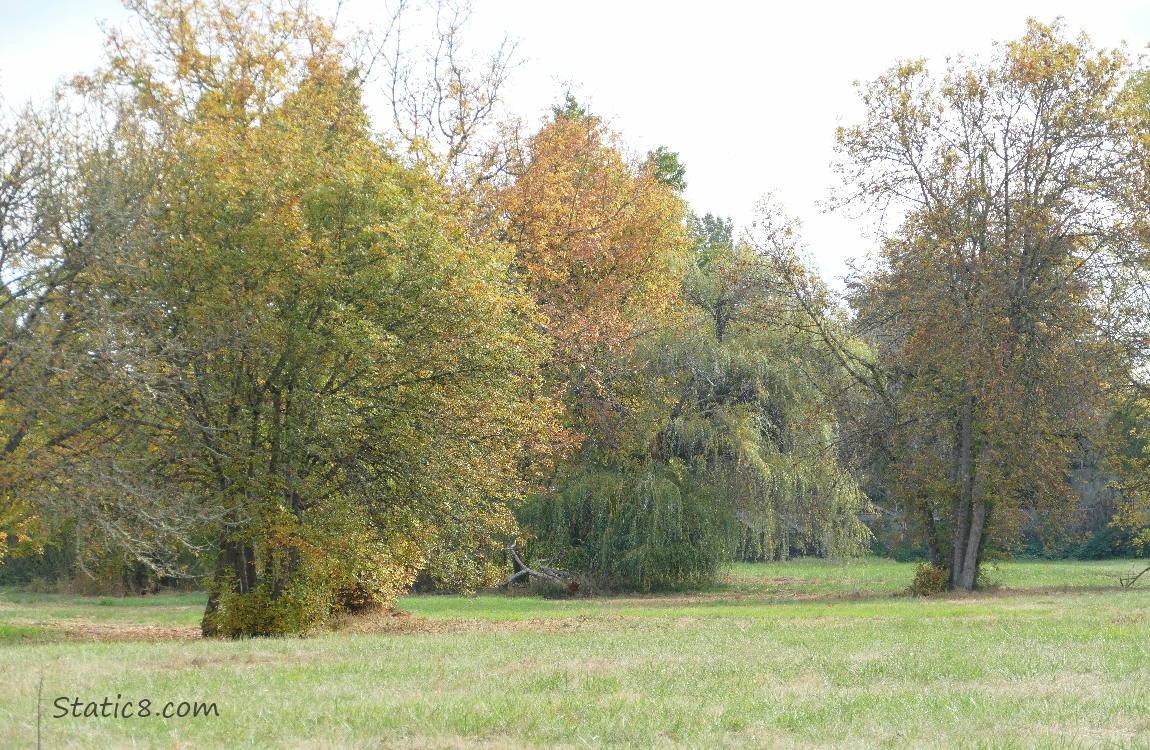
column 978, row 520
column 969, row 508
column 960, row 507
column 968, row 523
column 969, row 574
column 235, row 569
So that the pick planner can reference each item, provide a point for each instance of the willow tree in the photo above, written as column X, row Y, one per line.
column 750, row 414
column 987, row 309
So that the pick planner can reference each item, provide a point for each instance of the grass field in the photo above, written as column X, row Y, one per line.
column 800, row 654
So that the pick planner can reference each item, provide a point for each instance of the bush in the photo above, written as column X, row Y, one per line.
column 929, row 579
column 256, row 613
column 1107, row 543
column 307, row 574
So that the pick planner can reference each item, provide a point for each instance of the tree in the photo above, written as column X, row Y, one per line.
column 750, row 415
column 315, row 355
column 987, row 310
column 73, row 181
column 597, row 244
column 668, row 169
column 695, row 422
column 34, row 277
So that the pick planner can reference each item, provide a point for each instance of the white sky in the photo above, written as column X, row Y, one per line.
column 748, row 93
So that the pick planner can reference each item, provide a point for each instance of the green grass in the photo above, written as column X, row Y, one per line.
column 879, row 576
column 23, row 633
column 800, row 654
column 41, row 609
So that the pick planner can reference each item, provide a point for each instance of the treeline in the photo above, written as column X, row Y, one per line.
column 248, row 334
column 243, row 329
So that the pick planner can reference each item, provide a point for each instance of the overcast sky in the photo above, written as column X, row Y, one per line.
column 749, row 94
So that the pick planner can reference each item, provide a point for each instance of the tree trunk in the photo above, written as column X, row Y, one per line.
column 931, row 538
column 235, row 570
column 287, row 563
column 973, row 546
column 968, row 534
column 518, row 567
column 978, row 523
column 960, row 507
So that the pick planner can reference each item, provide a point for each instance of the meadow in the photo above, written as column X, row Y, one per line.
column 807, row 653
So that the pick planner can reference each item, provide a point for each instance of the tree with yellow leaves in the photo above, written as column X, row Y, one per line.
column 599, row 244
column 318, row 356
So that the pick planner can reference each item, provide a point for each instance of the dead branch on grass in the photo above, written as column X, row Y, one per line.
column 546, row 572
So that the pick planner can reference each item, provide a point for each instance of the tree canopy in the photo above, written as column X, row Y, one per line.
column 245, row 336
column 987, row 310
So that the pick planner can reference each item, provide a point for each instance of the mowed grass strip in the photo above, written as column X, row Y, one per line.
column 165, row 609
column 1047, row 669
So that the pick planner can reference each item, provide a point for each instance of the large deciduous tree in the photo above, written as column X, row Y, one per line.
column 75, row 178
column 310, row 347
column 695, row 422
column 600, row 245
column 987, row 309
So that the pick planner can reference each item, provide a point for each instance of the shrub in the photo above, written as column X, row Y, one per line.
column 308, row 573
column 256, row 613
column 1107, row 543
column 930, row 579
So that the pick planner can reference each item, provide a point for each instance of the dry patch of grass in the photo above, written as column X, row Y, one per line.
column 392, row 621
column 120, row 631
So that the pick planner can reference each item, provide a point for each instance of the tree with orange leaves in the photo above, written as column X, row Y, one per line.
column 598, row 242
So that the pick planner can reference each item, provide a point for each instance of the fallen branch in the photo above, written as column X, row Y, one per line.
column 1129, row 579
column 562, row 577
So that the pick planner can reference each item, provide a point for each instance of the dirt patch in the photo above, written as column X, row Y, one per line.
column 111, row 631
column 397, row 622
column 383, row 621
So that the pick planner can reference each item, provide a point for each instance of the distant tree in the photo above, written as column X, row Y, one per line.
column 597, row 243
column 750, row 415
column 600, row 245
column 73, row 185
column 695, row 420
column 570, row 109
